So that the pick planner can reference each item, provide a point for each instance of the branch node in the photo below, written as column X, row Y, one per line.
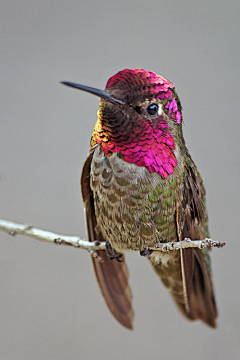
column 58, row 241
column 215, row 243
column 165, row 248
column 27, row 227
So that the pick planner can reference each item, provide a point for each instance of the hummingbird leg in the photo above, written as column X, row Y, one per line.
column 111, row 253
column 145, row 251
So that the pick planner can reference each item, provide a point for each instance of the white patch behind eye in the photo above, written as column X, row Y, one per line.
column 160, row 109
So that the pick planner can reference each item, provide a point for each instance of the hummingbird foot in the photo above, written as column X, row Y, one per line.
column 146, row 251
column 111, row 253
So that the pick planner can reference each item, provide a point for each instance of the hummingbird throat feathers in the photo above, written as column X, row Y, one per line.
column 140, row 143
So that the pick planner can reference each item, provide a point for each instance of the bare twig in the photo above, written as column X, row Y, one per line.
column 13, row 229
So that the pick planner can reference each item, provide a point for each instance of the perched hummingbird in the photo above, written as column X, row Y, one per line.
column 140, row 187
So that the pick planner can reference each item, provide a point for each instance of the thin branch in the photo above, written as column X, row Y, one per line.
column 13, row 229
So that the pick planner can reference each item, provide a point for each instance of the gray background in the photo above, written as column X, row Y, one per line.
column 50, row 305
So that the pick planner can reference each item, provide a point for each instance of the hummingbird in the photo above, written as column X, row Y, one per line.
column 140, row 187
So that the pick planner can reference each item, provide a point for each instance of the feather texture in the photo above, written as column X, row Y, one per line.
column 196, row 272
column 112, row 276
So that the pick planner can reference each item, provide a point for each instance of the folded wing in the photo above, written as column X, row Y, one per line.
column 196, row 272
column 112, row 276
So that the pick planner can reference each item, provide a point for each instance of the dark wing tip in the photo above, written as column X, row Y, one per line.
column 112, row 277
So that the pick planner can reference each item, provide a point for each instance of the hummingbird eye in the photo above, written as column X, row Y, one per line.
column 152, row 109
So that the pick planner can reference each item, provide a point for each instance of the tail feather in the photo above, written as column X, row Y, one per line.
column 190, row 285
column 112, row 277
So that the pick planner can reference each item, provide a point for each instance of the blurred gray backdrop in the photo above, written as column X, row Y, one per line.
column 50, row 304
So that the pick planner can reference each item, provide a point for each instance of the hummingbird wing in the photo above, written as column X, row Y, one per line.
column 112, row 276
column 196, row 272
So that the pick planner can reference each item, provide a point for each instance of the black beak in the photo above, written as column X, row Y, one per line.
column 100, row 93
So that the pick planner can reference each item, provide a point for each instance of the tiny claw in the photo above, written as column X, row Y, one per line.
column 111, row 253
column 146, row 252
column 118, row 257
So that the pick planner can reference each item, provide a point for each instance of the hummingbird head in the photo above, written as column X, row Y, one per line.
column 140, row 117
